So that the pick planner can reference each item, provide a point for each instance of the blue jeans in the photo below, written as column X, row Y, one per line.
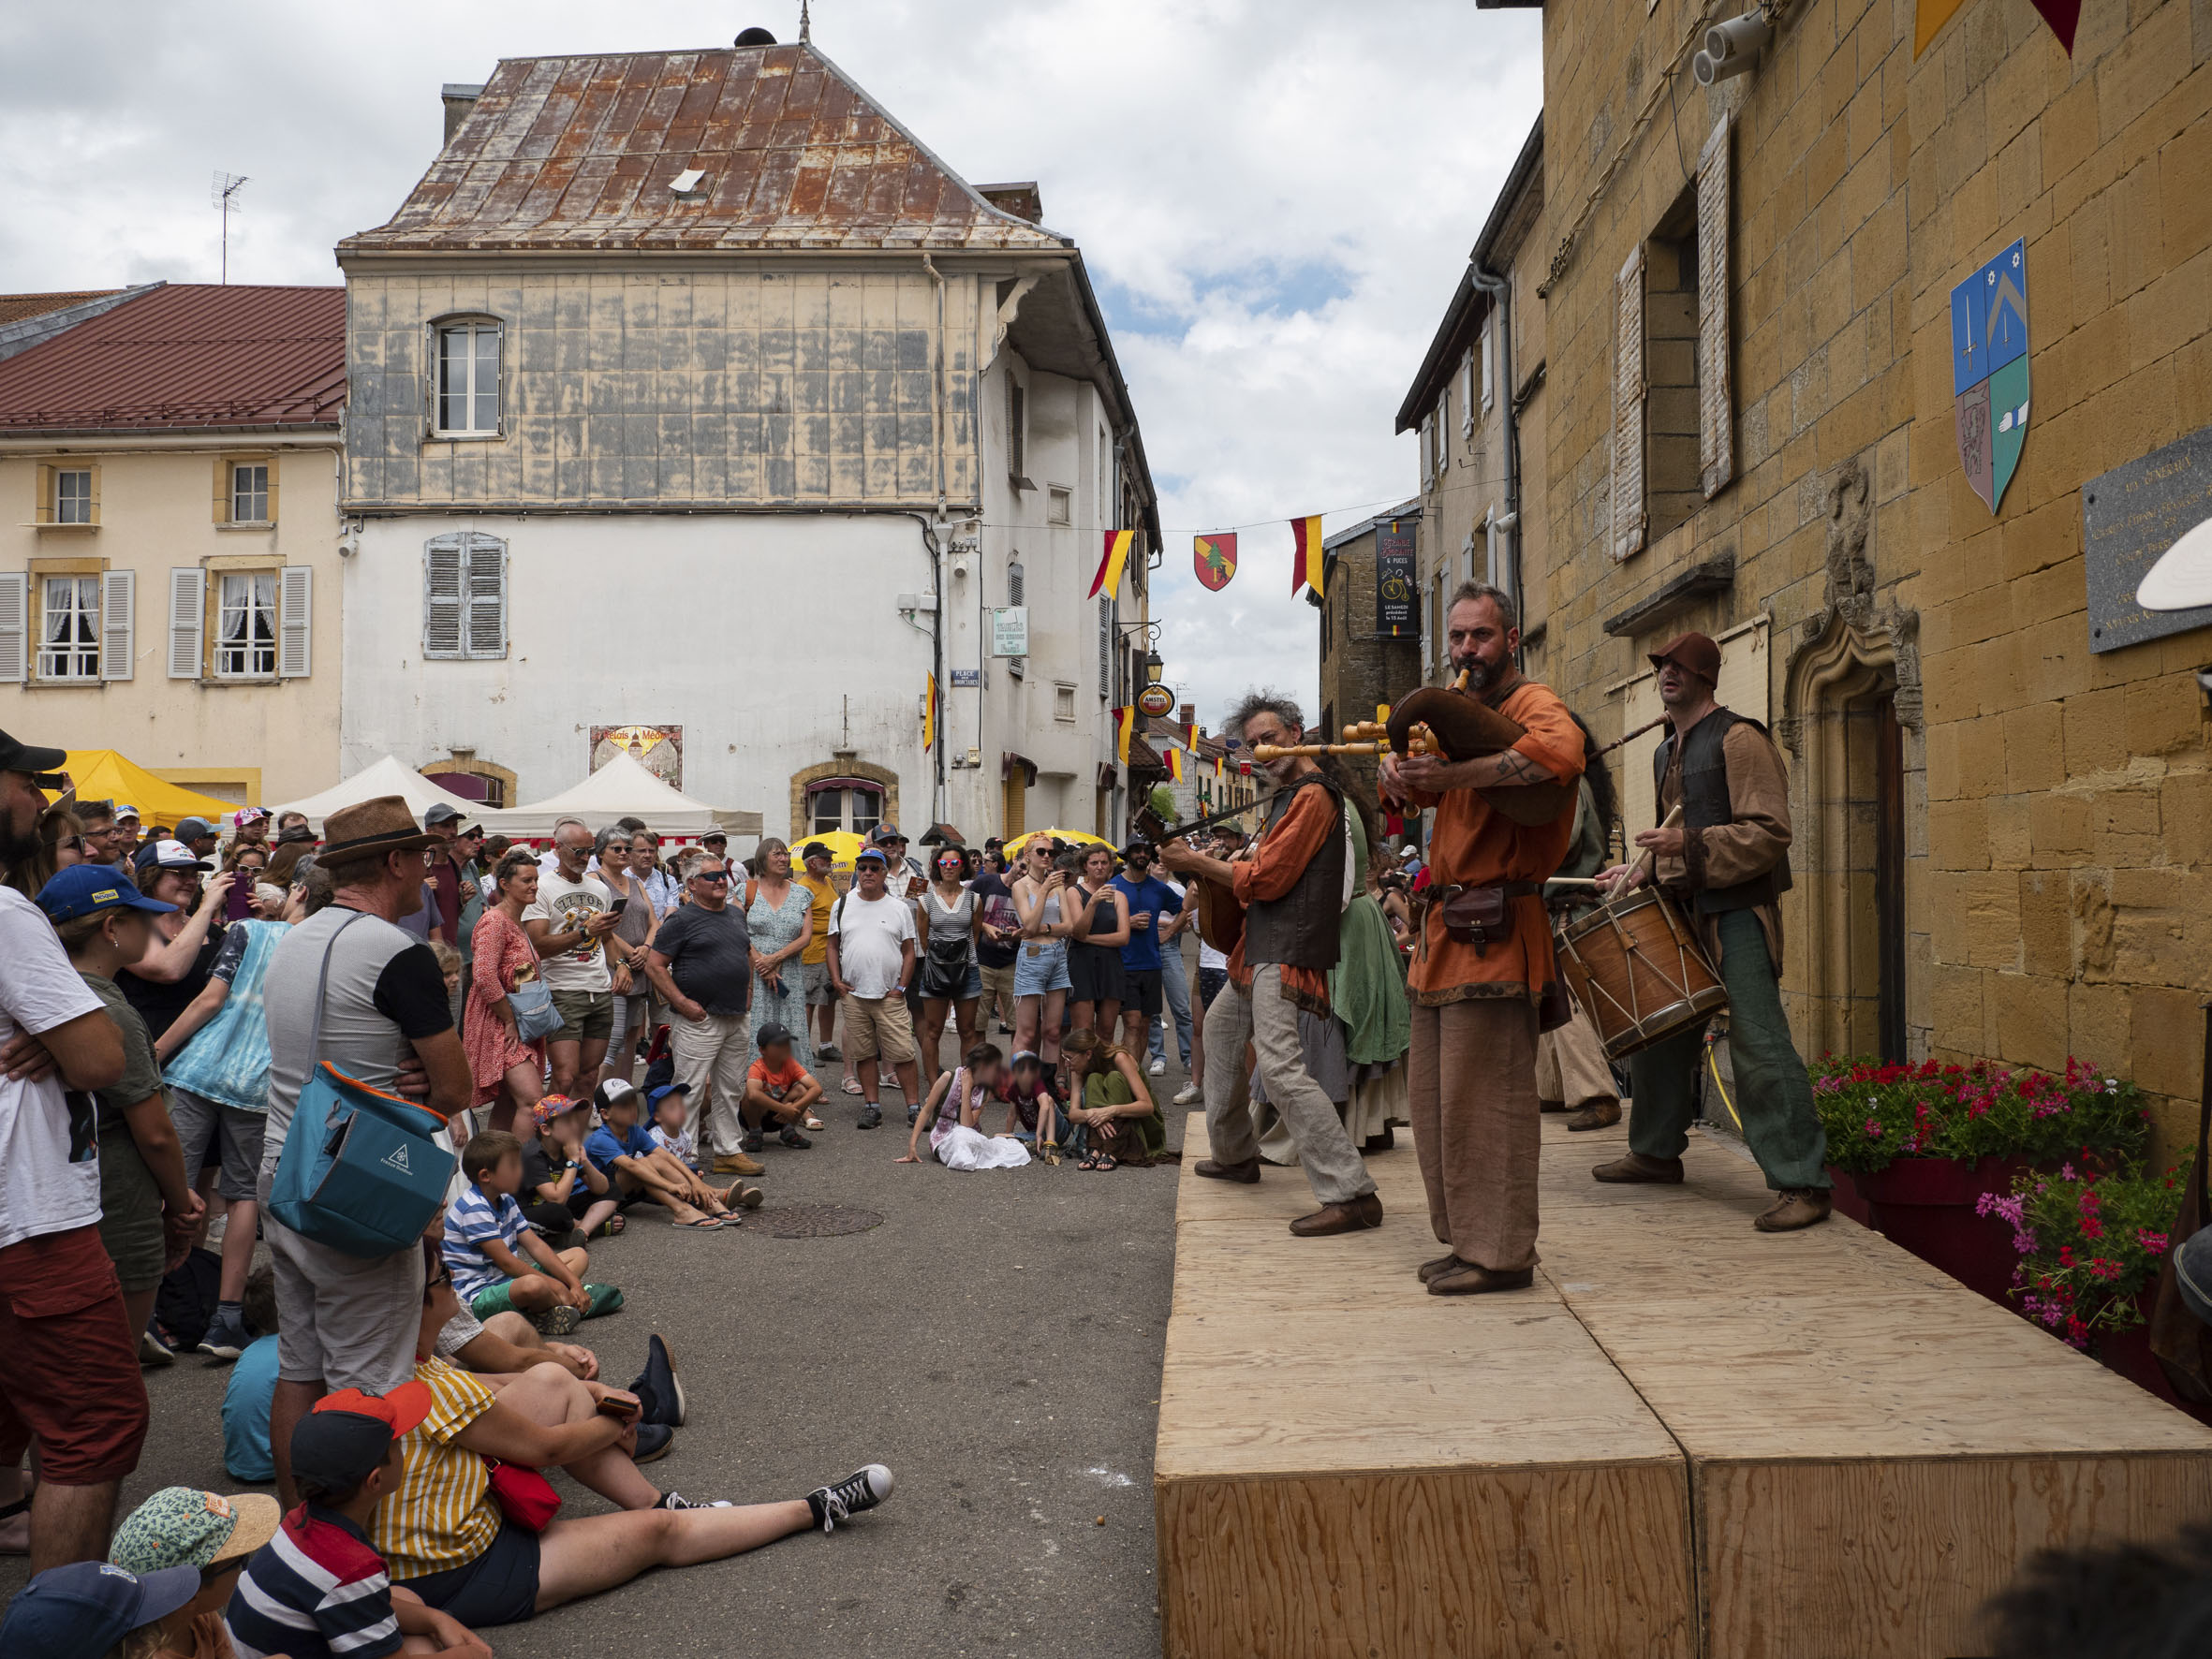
column 1177, row 988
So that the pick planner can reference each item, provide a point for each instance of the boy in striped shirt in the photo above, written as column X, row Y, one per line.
column 319, row 1590
column 498, row 1262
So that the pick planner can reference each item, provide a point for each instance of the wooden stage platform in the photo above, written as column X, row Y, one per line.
column 1686, row 1439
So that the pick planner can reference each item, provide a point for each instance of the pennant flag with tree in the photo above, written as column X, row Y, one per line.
column 1216, row 559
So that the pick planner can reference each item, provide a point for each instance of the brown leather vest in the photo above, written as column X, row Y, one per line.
column 1302, row 929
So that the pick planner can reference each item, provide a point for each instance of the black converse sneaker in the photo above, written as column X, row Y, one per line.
column 863, row 1489
column 678, row 1501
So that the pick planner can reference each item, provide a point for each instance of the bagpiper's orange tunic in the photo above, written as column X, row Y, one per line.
column 1473, row 844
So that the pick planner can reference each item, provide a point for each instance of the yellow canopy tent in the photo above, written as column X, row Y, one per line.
column 103, row 774
column 1013, row 848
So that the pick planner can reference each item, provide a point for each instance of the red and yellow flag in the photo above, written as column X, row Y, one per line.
column 1191, row 736
column 1115, row 555
column 929, row 713
column 1929, row 16
column 1176, row 763
column 1125, row 724
column 1216, row 767
column 1306, row 567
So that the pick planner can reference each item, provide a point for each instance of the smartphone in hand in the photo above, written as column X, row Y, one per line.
column 624, row 1406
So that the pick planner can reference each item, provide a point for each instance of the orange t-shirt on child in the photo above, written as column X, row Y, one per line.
column 779, row 1083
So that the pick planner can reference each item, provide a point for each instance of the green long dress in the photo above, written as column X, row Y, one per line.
column 1367, row 986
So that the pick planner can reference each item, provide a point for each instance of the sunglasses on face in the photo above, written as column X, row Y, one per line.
column 718, row 876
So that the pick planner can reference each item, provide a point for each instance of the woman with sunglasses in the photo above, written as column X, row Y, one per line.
column 951, row 919
column 60, row 844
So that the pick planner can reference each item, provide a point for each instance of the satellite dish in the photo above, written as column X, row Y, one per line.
column 2182, row 578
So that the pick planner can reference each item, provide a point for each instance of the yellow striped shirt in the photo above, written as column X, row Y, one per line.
column 442, row 1515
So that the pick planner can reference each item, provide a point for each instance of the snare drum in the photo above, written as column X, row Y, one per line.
column 1637, row 970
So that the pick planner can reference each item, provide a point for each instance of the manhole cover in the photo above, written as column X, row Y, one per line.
column 814, row 1221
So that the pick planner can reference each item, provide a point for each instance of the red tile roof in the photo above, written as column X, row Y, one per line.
column 578, row 152
column 15, row 308
column 187, row 355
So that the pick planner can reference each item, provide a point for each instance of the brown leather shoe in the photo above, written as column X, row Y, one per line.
column 1443, row 1264
column 1362, row 1212
column 1799, row 1207
column 1470, row 1280
column 1635, row 1167
column 1598, row 1114
column 1246, row 1172
column 737, row 1164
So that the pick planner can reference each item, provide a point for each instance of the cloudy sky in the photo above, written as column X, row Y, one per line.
column 1276, row 198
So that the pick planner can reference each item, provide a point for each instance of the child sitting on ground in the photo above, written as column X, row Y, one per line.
column 252, row 1384
column 641, row 1169
column 496, row 1258
column 955, row 1102
column 563, row 1191
column 1033, row 1100
column 778, row 1089
column 670, row 1131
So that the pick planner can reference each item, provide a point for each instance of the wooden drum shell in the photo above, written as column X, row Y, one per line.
column 1639, row 972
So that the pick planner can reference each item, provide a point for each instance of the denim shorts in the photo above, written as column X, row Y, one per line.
column 1041, row 966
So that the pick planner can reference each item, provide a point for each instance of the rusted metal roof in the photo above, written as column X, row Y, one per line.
column 575, row 153
column 187, row 355
column 14, row 308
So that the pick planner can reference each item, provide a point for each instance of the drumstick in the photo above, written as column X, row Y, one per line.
column 1648, row 862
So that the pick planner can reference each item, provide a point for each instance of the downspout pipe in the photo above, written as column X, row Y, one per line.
column 1501, row 299
column 935, row 536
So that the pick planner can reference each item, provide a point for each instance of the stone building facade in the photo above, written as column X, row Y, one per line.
column 1362, row 665
column 2000, row 832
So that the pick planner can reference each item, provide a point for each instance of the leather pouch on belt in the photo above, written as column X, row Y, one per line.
column 1480, row 916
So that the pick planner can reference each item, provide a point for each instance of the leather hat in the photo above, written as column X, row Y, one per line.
column 383, row 825
column 1694, row 653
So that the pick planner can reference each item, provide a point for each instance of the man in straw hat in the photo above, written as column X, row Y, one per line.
column 1725, row 866
column 346, row 1321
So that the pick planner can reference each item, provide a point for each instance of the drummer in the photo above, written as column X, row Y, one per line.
column 1471, row 1081
column 1726, row 867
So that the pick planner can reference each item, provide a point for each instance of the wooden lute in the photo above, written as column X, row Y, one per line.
column 1465, row 726
column 1221, row 917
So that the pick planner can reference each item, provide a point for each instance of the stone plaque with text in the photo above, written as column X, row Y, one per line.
column 2131, row 515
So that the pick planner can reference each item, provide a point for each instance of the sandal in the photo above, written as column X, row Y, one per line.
column 1050, row 1152
column 707, row 1222
column 812, row 1122
column 612, row 1226
column 1104, row 1162
column 852, row 1085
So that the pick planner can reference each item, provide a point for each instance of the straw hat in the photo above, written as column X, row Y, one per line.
column 371, row 829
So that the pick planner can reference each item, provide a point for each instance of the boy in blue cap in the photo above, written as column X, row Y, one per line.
column 147, row 1204
column 83, row 1611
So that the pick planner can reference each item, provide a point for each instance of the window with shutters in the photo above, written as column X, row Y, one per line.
column 1681, row 347
column 244, row 606
column 68, row 626
column 465, row 596
column 465, row 400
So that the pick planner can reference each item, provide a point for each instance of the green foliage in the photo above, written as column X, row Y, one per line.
column 1876, row 1114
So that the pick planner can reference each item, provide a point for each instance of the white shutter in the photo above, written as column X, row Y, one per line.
column 119, row 610
column 1628, row 409
column 15, row 627
column 441, row 597
column 295, row 618
column 486, row 596
column 1717, row 449
column 187, row 610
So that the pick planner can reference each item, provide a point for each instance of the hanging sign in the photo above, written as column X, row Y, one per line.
column 1157, row 702
column 1010, row 630
column 1215, row 557
column 1989, row 371
column 1395, row 603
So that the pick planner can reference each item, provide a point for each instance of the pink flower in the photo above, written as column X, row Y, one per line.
column 2153, row 1243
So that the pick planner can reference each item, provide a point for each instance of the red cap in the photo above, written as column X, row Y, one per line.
column 1693, row 653
column 401, row 1410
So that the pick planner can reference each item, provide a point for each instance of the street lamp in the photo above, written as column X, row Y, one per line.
column 1154, row 664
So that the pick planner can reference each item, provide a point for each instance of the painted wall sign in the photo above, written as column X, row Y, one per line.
column 660, row 749
column 1010, row 630
column 1989, row 371
column 1395, row 593
column 2130, row 517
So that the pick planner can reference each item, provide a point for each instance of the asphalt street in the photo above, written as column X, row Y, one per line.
column 996, row 1342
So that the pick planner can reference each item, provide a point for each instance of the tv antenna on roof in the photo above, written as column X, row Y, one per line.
column 223, row 193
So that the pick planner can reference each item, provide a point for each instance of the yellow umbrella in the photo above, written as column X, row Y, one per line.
column 103, row 774
column 1013, row 848
column 843, row 843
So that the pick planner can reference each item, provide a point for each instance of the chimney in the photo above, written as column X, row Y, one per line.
column 459, row 100
column 1020, row 199
column 1188, row 713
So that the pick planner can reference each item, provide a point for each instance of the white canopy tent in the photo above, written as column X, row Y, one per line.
column 387, row 776
column 621, row 788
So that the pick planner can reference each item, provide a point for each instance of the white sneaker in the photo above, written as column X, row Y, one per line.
column 1159, row 1066
column 1189, row 1094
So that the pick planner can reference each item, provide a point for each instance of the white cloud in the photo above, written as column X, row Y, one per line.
column 1274, row 199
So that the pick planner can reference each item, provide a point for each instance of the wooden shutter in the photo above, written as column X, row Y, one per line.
column 1628, row 407
column 15, row 627
column 1716, row 448
column 1016, row 588
column 441, row 597
column 119, row 610
column 1105, row 649
column 486, row 596
column 188, row 612
column 295, row 619
column 1015, row 806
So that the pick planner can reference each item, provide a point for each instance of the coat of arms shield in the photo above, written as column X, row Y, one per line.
column 1989, row 371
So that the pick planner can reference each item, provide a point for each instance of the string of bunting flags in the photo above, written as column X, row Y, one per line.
column 1214, row 555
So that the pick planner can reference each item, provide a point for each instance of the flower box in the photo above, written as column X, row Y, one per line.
column 1929, row 1206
